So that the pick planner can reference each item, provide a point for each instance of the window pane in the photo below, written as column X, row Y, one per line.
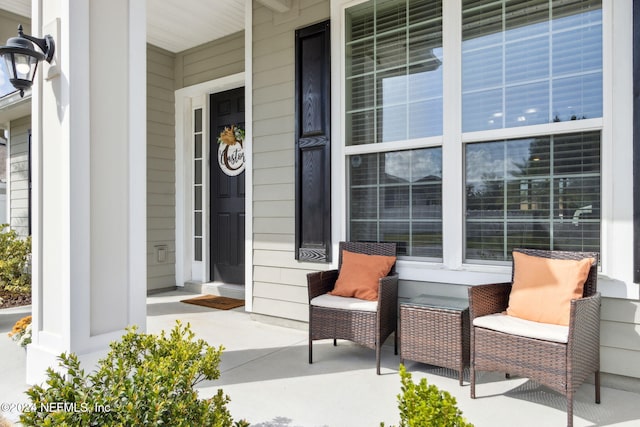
column 197, row 224
column 197, row 120
column 393, row 71
column 197, row 249
column 427, row 239
column 576, row 98
column 360, row 59
column 483, row 110
column 197, row 146
column 360, row 127
column 482, row 68
column 362, row 93
column 365, row 231
column 197, row 174
column 360, row 21
column 526, row 59
column 485, row 240
column 530, row 62
column 527, row 234
column 395, row 202
column 539, row 192
column 527, row 104
column 390, row 15
column 197, row 195
column 576, row 154
column 397, row 197
column 364, row 203
column 391, row 50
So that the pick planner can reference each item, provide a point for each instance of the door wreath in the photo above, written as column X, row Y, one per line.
column 231, row 150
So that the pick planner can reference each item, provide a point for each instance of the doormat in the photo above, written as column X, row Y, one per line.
column 213, row 301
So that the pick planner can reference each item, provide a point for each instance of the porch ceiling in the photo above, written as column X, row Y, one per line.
column 176, row 25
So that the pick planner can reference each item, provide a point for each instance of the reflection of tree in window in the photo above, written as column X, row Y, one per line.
column 545, row 192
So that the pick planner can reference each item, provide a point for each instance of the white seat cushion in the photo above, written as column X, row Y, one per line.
column 344, row 303
column 524, row 328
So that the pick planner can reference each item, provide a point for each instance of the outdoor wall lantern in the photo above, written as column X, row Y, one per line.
column 22, row 59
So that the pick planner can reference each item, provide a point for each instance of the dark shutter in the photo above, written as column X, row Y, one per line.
column 636, row 141
column 312, row 152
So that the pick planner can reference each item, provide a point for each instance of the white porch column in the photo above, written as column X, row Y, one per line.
column 89, row 178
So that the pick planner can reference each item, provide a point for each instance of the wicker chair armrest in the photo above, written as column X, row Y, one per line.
column 388, row 290
column 321, row 282
column 388, row 301
column 488, row 299
column 584, row 322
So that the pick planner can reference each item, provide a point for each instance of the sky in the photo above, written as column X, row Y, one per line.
column 5, row 85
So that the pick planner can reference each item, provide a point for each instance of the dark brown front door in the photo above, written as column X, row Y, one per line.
column 227, row 193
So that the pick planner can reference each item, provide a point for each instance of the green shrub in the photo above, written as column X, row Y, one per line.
column 423, row 405
column 145, row 380
column 15, row 261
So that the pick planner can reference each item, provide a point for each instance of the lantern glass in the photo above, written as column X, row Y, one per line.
column 25, row 66
column 9, row 66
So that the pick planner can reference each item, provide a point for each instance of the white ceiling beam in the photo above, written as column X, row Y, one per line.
column 280, row 6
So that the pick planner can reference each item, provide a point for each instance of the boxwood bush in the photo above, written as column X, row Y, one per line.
column 423, row 405
column 15, row 261
column 145, row 380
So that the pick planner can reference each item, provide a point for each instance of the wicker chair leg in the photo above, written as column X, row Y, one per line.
column 335, row 342
column 395, row 343
column 472, row 378
column 310, row 351
column 378, row 359
column 597, row 382
column 570, row 409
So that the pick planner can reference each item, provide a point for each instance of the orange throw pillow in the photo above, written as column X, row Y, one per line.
column 543, row 288
column 360, row 275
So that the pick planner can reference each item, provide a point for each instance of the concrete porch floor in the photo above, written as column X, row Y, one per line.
column 265, row 372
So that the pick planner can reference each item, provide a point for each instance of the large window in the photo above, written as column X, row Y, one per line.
column 394, row 94
column 517, row 138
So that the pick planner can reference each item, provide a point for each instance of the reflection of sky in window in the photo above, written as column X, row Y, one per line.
column 5, row 85
column 415, row 165
column 412, row 103
column 534, row 76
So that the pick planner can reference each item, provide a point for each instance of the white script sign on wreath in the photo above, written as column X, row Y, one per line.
column 231, row 150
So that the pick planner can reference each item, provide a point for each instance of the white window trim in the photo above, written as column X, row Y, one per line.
column 616, row 276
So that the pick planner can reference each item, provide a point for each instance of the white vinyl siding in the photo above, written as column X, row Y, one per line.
column 620, row 337
column 18, row 175
column 279, row 281
column 218, row 58
column 160, row 169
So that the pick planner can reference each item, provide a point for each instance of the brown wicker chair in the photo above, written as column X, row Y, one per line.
column 563, row 367
column 368, row 328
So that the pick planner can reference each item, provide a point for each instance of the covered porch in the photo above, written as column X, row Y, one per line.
column 265, row 370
